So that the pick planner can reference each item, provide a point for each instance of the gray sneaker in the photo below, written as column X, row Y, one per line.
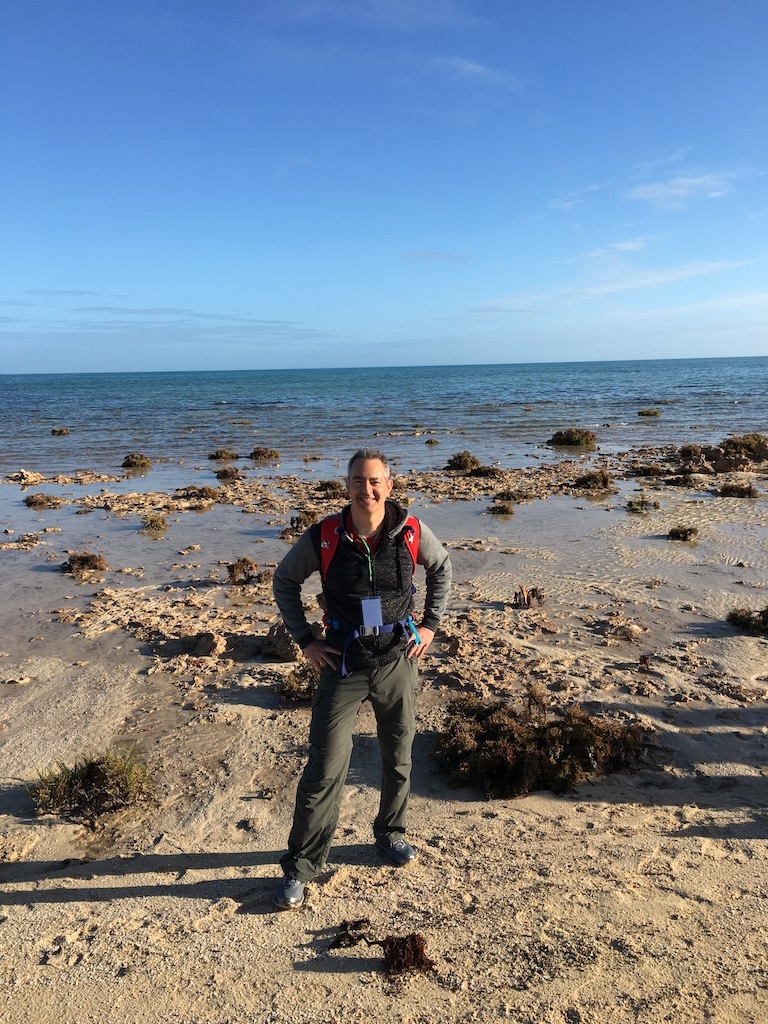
column 289, row 895
column 397, row 851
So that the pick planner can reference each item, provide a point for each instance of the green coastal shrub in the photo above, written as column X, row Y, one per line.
column 755, row 622
column 94, row 786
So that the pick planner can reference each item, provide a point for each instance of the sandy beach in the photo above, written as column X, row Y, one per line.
column 640, row 897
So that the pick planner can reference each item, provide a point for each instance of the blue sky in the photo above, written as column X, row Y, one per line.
column 215, row 184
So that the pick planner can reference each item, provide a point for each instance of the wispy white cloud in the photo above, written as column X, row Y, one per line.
column 679, row 191
column 625, row 279
column 568, row 200
column 758, row 300
column 635, row 279
column 653, row 166
column 616, row 250
column 473, row 71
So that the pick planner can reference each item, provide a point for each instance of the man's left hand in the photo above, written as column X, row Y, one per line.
column 426, row 637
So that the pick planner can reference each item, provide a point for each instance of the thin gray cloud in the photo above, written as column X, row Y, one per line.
column 57, row 291
column 127, row 311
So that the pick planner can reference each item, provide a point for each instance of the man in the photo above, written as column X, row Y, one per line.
column 366, row 556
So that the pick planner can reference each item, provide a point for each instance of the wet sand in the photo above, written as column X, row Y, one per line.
column 639, row 897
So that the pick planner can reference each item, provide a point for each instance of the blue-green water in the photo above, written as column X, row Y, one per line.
column 501, row 413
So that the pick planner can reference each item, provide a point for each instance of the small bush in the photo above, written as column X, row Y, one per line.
column 598, row 480
column 136, row 460
column 223, row 455
column 738, row 491
column 59, row 431
column 512, row 751
column 463, row 462
column 81, row 564
column 93, row 786
column 154, row 522
column 242, row 571
column 43, row 501
column 649, row 412
column 683, row 532
column 755, row 622
column 573, row 437
column 265, row 455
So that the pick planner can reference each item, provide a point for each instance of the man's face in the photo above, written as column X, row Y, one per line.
column 368, row 487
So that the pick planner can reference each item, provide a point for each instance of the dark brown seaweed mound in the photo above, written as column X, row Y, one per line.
column 573, row 437
column 512, row 751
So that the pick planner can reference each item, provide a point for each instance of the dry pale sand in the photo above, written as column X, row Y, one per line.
column 641, row 897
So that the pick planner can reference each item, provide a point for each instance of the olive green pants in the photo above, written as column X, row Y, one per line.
column 392, row 692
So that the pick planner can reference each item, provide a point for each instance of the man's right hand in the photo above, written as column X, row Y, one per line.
column 319, row 653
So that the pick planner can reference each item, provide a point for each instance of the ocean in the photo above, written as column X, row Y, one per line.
column 503, row 413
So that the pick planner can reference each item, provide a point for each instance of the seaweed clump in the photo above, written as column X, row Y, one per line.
column 573, row 437
column 511, row 751
column 403, row 954
column 223, row 455
column 649, row 412
column 94, row 786
column 463, row 462
column 502, row 508
column 749, row 446
column 154, row 523
column 683, row 532
column 488, row 472
column 43, row 501
column 82, row 564
column 300, row 685
column 642, row 504
column 331, row 488
column 754, row 622
column 738, row 491
column 242, row 571
column 264, row 454
column 299, row 524
column 137, row 460
column 228, row 474
column 59, row 431
column 597, row 480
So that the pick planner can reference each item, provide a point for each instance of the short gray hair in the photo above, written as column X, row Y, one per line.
column 369, row 453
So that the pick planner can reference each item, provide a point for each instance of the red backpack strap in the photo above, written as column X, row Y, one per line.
column 330, row 531
column 411, row 533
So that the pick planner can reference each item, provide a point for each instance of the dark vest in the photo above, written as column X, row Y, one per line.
column 348, row 580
